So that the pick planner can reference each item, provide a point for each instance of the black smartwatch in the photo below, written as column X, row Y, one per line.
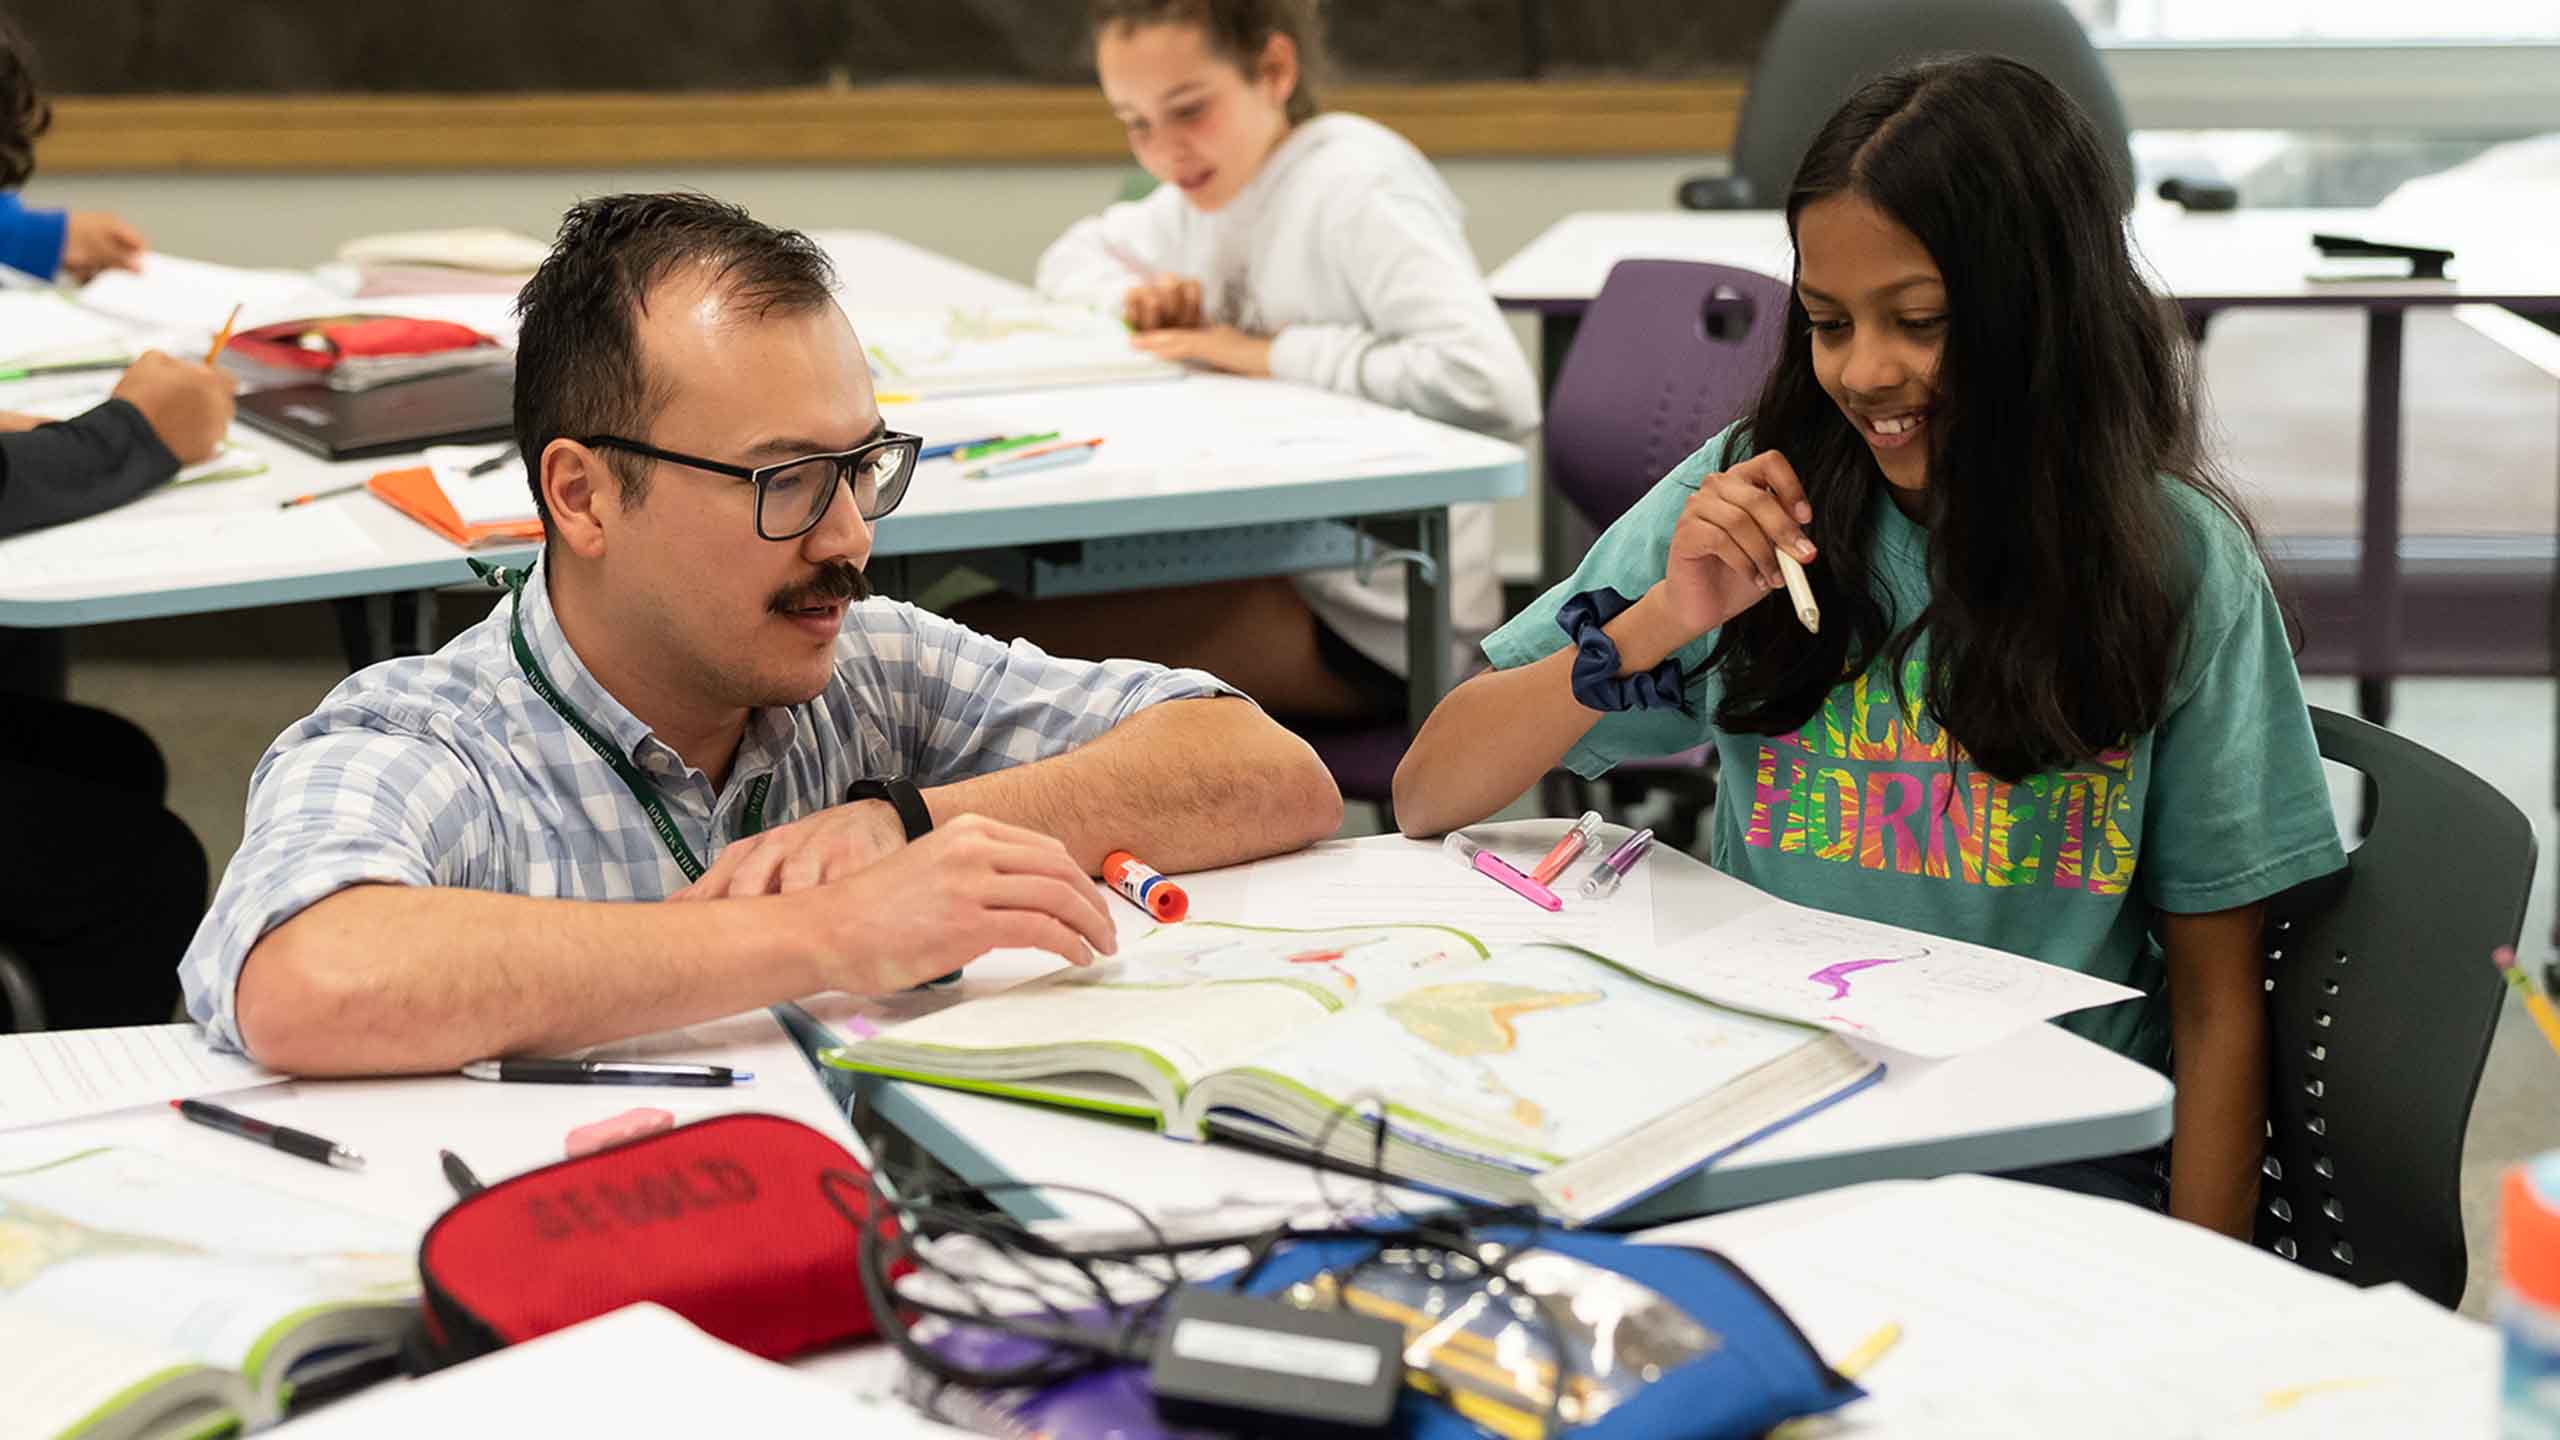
column 903, row 796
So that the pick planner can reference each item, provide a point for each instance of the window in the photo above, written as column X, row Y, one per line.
column 2316, row 21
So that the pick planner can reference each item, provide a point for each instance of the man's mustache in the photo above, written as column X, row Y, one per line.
column 836, row 580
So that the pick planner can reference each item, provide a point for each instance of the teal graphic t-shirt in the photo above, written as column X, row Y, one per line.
column 1859, row 811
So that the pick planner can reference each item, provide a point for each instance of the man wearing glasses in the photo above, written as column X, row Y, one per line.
column 691, row 699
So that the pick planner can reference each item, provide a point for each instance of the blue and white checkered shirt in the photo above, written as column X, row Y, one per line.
column 449, row 770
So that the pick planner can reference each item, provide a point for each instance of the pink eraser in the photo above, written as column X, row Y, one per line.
column 614, row 1129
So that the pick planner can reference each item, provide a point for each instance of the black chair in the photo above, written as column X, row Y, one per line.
column 1820, row 50
column 1669, row 353
column 2381, row 1003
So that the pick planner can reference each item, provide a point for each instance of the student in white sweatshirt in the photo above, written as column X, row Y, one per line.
column 1321, row 249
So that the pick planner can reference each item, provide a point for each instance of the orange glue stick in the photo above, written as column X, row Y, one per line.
column 1568, row 849
column 1146, row 889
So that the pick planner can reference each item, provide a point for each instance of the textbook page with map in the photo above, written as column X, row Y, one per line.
column 141, row 1297
column 1533, row 1074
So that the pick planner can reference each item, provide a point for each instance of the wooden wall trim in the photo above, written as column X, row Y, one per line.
column 920, row 125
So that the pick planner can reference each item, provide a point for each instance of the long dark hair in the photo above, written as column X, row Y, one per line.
column 2058, row 569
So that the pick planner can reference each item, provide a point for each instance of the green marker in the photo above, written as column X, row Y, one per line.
column 998, row 447
column 69, row 367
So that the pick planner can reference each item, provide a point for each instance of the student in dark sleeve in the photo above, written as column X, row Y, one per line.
column 100, row 886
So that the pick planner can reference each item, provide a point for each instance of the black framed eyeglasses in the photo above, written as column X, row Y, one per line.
column 792, row 496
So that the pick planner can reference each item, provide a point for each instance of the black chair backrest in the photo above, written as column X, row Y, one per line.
column 2381, row 1003
column 1669, row 352
column 1820, row 50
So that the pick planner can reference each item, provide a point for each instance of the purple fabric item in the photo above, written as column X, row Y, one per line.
column 1109, row 1403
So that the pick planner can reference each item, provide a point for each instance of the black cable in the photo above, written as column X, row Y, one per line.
column 890, row 1230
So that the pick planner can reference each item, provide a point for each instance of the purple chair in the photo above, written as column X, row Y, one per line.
column 1669, row 353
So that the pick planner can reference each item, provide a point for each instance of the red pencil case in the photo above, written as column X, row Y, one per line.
column 321, row 343
column 743, row 1224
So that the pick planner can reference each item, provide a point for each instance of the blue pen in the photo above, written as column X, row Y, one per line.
column 1055, row 460
column 936, row 452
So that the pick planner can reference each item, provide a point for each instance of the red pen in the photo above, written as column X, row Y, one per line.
column 1568, row 849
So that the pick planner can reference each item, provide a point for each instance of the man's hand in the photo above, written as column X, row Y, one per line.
column 1220, row 347
column 1162, row 302
column 188, row 405
column 14, row 421
column 829, row 845
column 95, row 241
column 971, row 886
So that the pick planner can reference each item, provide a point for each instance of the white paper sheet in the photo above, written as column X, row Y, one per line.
column 1334, row 884
column 2024, row 1307
column 1918, row 993
column 491, row 498
column 642, row 1370
column 65, row 1074
column 194, row 297
column 37, row 325
column 123, row 546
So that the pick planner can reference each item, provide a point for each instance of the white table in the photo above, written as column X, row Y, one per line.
column 2044, row 1096
column 1206, row 477
column 2207, row 262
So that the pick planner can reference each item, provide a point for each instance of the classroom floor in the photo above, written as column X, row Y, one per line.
column 215, row 690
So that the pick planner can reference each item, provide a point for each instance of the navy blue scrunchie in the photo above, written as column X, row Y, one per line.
column 1596, row 681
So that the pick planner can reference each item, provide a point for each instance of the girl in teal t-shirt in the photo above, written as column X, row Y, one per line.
column 2050, row 705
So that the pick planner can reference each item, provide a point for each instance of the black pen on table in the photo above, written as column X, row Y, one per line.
column 459, row 1176
column 603, row 1072
column 493, row 462
column 275, row 1137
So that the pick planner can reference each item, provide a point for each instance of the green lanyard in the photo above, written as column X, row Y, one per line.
column 641, row 787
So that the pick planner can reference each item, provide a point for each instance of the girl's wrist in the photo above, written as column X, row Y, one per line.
column 1647, row 633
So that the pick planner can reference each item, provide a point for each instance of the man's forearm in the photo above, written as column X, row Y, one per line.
column 383, row 979
column 1186, row 785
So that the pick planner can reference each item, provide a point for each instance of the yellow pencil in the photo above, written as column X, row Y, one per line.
column 224, row 338
column 1869, row 1351
column 2504, row 957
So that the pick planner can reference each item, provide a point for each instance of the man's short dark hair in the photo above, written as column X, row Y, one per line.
column 578, row 363
column 24, row 115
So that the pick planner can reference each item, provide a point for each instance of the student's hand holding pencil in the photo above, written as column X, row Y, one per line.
column 1733, row 544
column 189, row 406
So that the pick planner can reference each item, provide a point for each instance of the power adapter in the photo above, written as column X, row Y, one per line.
column 1257, row 1366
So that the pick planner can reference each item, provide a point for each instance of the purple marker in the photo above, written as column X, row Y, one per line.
column 1612, row 869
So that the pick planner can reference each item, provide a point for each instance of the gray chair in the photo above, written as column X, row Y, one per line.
column 2381, row 1003
column 1821, row 50
column 21, row 1008
column 1670, row 352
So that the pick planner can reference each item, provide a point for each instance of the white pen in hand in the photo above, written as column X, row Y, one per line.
column 1800, row 593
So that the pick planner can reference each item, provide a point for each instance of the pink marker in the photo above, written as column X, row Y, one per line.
column 1475, row 857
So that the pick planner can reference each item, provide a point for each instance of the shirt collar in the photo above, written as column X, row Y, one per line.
column 769, row 731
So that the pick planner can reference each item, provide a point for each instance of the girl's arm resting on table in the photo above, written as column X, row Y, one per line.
column 1492, row 737
column 2218, row 1036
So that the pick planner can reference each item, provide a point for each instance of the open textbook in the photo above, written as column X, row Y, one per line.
column 1013, row 347
column 139, row 1297
column 1535, row 1074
